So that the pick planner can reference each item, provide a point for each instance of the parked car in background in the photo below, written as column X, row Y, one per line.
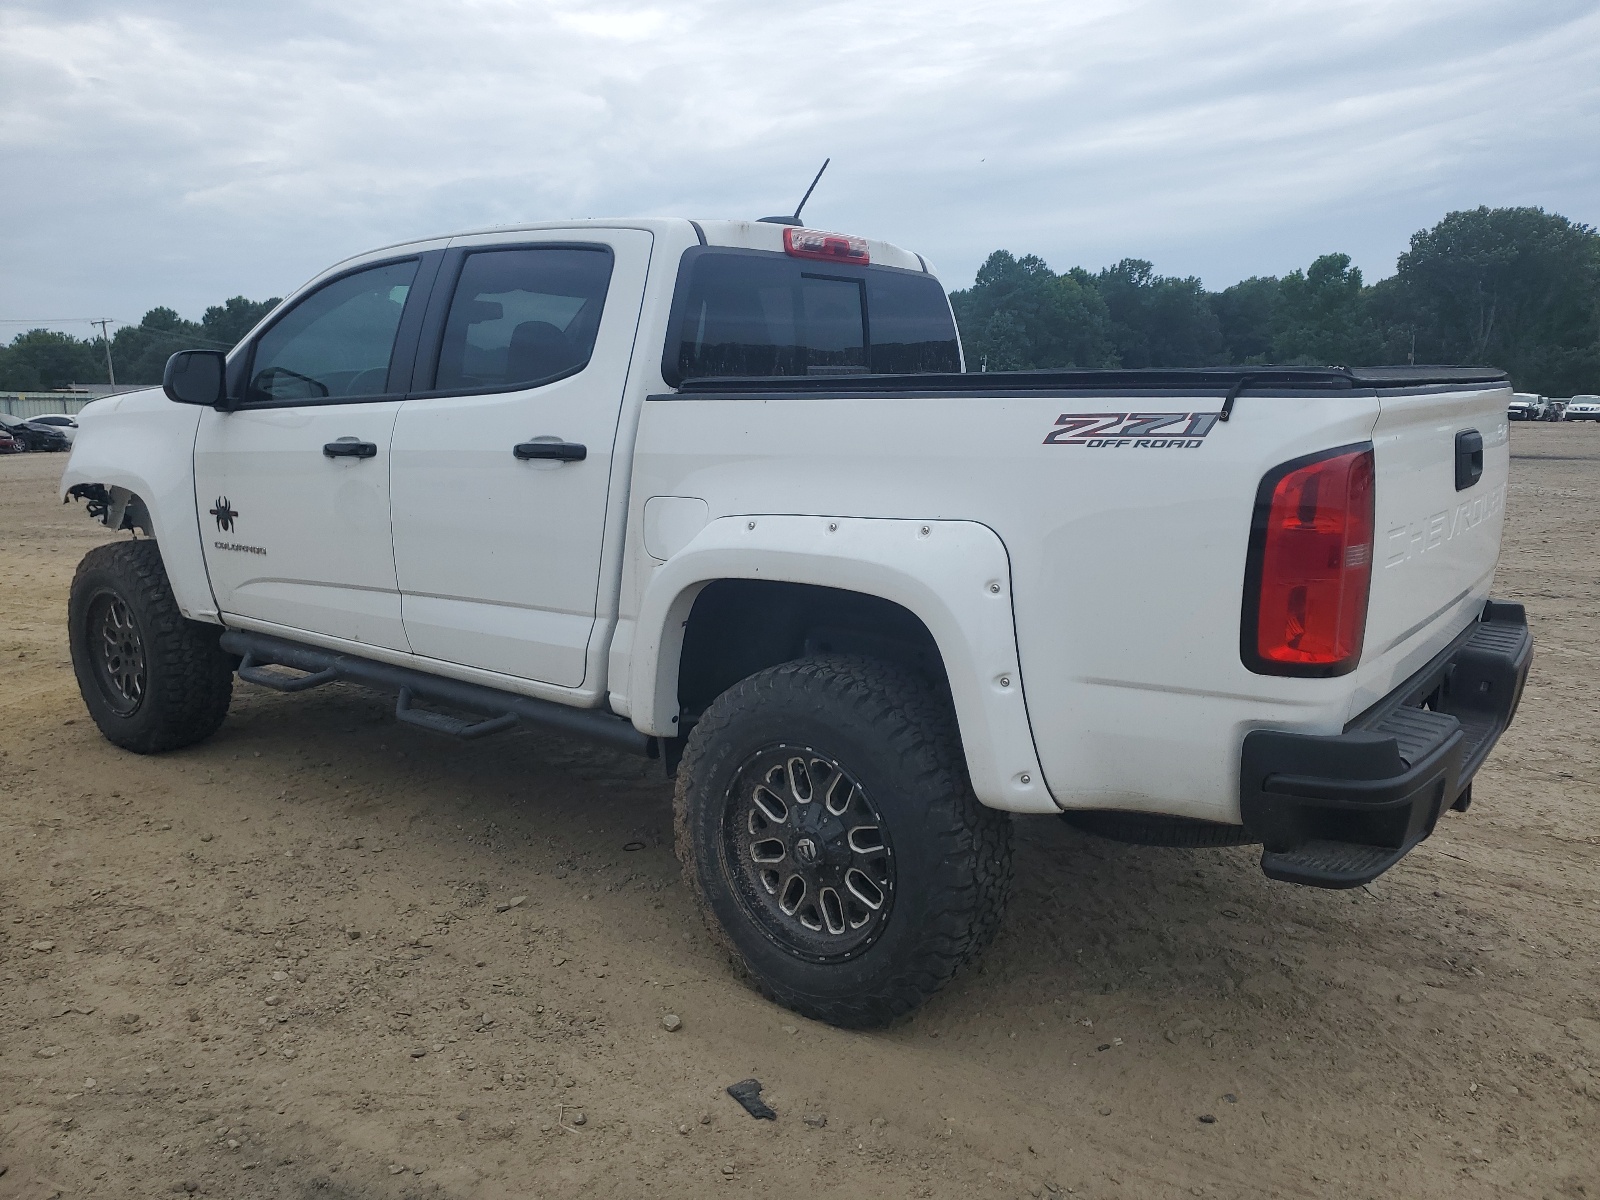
column 1525, row 406
column 67, row 425
column 1583, row 408
column 8, row 444
column 33, row 436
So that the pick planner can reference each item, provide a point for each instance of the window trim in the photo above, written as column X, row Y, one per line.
column 401, row 355
column 841, row 271
column 430, row 339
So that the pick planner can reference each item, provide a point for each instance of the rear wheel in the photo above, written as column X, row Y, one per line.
column 151, row 679
column 825, row 821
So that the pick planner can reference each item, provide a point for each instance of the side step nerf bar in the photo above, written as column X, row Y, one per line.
column 260, row 653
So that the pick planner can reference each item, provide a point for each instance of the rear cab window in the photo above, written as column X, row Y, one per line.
column 758, row 313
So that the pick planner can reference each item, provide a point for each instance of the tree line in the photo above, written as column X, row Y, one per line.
column 42, row 359
column 1515, row 288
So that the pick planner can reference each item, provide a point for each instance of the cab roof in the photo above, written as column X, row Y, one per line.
column 749, row 235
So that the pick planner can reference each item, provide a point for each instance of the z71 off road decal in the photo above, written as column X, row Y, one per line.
column 1153, row 431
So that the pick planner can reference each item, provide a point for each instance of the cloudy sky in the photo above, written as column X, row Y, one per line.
column 172, row 152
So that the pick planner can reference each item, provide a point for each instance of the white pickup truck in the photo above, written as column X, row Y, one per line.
column 721, row 492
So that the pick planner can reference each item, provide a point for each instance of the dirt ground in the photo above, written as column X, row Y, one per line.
column 281, row 964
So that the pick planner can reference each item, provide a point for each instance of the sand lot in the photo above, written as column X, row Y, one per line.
column 277, row 964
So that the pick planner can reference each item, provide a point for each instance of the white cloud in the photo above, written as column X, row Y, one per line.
column 169, row 153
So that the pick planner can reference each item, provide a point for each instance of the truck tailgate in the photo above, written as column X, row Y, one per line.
column 1442, row 460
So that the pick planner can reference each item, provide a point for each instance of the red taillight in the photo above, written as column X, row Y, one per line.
column 1311, row 566
column 835, row 247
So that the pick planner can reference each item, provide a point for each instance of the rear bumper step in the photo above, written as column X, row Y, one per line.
column 1336, row 811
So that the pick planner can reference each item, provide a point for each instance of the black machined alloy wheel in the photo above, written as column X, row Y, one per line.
column 827, row 826
column 151, row 679
column 117, row 652
column 808, row 854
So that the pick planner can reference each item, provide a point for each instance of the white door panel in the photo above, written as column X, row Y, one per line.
column 512, row 639
column 498, row 558
column 293, row 484
column 293, row 536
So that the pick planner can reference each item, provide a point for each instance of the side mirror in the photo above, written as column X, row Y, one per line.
column 196, row 377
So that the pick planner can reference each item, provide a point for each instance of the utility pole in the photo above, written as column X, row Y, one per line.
column 105, row 336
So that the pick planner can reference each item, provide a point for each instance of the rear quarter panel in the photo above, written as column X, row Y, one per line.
column 1126, row 561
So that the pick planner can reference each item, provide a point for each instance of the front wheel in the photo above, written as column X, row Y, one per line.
column 825, row 821
column 151, row 679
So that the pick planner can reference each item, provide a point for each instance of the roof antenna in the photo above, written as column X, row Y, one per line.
column 795, row 220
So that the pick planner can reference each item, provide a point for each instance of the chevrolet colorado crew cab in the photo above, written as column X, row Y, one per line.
column 721, row 492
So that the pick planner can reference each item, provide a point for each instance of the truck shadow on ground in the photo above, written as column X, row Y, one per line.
column 1184, row 937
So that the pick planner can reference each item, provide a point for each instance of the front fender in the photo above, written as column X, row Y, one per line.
column 144, row 443
column 953, row 575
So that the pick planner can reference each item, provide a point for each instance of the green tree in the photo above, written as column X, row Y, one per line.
column 1323, row 316
column 226, row 324
column 1019, row 314
column 1247, row 315
column 1159, row 320
column 1517, row 288
column 140, row 351
column 42, row 360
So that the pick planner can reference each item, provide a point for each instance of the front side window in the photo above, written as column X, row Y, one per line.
column 769, row 315
column 522, row 317
column 337, row 342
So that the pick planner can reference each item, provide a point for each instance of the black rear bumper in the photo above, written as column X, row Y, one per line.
column 1337, row 811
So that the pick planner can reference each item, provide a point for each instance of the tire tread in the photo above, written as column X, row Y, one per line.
column 974, row 867
column 190, row 680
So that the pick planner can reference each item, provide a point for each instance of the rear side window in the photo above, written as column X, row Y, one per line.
column 522, row 317
column 755, row 313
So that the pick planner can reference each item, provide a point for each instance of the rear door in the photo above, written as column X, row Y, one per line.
column 293, row 485
column 502, row 455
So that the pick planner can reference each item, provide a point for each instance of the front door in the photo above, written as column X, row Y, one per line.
column 502, row 461
column 293, row 485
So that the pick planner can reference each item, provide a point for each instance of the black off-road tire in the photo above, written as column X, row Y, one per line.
column 951, row 857
column 187, row 678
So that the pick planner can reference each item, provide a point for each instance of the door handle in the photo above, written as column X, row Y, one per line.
column 558, row 451
column 351, row 449
column 1469, row 458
